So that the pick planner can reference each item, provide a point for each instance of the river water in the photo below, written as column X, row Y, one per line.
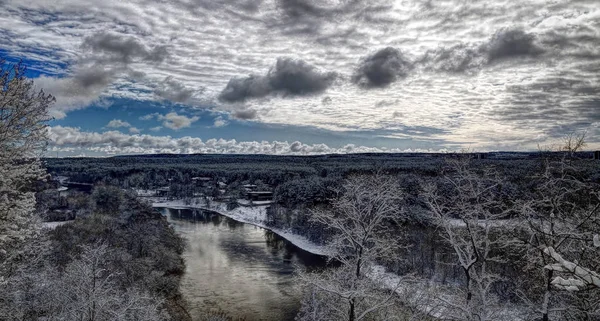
column 238, row 269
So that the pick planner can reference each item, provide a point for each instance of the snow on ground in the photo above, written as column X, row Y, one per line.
column 436, row 300
column 482, row 223
column 145, row 193
column 429, row 298
column 53, row 225
column 246, row 202
column 255, row 215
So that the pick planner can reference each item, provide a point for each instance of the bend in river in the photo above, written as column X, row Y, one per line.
column 237, row 268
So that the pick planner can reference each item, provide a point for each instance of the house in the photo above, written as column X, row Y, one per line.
column 163, row 191
column 202, row 181
column 257, row 196
column 249, row 187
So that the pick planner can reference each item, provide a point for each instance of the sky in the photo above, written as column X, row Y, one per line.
column 307, row 76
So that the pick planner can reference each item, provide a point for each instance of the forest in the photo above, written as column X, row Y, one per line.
column 515, row 233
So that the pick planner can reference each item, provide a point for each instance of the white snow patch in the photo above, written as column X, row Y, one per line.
column 255, row 215
column 53, row 225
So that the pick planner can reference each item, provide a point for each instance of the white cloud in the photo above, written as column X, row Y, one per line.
column 114, row 142
column 220, row 122
column 155, row 129
column 149, row 116
column 117, row 123
column 134, row 130
column 174, row 121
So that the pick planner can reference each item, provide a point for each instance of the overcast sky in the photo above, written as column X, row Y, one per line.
column 303, row 77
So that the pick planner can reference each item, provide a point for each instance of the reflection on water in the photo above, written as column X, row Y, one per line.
column 243, row 270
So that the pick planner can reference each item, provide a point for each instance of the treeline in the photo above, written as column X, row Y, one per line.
column 120, row 261
column 476, row 242
column 295, row 179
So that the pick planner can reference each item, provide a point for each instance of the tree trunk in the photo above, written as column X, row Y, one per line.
column 351, row 314
column 469, row 294
column 545, row 313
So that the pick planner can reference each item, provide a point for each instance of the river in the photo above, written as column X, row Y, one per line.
column 238, row 269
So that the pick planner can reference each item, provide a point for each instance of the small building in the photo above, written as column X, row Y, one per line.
column 202, row 181
column 163, row 191
column 259, row 196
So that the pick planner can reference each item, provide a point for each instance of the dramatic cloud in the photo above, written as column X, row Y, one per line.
column 171, row 89
column 240, row 89
column 505, row 44
column 176, row 122
column 287, row 77
column 112, row 47
column 382, row 68
column 482, row 74
column 510, row 43
column 81, row 89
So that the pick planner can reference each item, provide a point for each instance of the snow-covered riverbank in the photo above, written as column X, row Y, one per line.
column 431, row 299
column 256, row 215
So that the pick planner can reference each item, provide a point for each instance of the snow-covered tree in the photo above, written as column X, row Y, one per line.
column 563, row 221
column 87, row 289
column 90, row 292
column 23, row 117
column 361, row 221
column 469, row 208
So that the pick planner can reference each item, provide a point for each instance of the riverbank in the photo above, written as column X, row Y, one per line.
column 256, row 215
column 430, row 298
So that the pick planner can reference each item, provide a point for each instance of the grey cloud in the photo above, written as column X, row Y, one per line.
column 382, row 68
column 245, row 114
column 240, row 89
column 236, row 5
column 458, row 58
column 296, row 77
column 555, row 104
column 287, row 77
column 173, row 90
column 122, row 49
column 505, row 44
column 510, row 43
column 82, row 88
column 108, row 57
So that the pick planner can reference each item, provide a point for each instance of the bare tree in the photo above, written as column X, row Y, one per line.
column 361, row 221
column 563, row 221
column 470, row 210
column 88, row 290
column 573, row 142
column 23, row 117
